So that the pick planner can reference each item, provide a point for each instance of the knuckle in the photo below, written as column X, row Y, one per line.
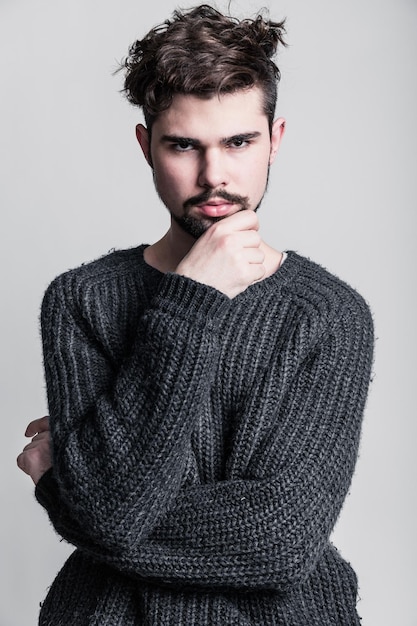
column 226, row 242
column 217, row 228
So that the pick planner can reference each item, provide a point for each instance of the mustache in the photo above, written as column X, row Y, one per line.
column 208, row 195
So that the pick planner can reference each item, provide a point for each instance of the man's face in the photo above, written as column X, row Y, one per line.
column 211, row 157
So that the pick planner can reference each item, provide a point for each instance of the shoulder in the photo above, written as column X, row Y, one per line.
column 323, row 307
column 319, row 291
column 99, row 288
column 104, row 271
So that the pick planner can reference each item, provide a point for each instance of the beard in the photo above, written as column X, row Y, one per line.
column 197, row 226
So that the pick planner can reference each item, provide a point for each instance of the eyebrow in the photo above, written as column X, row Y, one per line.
column 223, row 141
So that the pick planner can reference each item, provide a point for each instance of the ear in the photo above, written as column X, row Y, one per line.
column 142, row 135
column 278, row 129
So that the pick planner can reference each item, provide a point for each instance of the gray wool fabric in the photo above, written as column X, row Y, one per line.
column 202, row 446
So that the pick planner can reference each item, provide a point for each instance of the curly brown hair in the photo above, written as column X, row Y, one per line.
column 203, row 52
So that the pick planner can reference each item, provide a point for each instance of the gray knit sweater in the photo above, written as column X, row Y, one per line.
column 202, row 447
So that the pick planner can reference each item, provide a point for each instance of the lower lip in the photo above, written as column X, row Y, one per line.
column 215, row 210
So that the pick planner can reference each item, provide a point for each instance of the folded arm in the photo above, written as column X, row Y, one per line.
column 119, row 437
column 268, row 529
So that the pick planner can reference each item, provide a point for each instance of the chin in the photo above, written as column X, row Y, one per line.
column 196, row 226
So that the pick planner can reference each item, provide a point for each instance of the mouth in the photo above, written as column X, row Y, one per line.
column 215, row 208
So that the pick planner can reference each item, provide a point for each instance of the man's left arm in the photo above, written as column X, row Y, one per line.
column 36, row 458
column 268, row 530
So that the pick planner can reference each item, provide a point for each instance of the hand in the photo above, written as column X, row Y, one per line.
column 36, row 457
column 228, row 256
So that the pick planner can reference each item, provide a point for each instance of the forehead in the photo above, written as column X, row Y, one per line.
column 222, row 116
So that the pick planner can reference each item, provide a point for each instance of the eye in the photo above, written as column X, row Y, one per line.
column 182, row 145
column 239, row 142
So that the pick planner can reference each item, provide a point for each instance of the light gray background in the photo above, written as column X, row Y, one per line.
column 343, row 191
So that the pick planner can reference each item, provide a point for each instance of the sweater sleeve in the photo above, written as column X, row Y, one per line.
column 268, row 529
column 119, row 435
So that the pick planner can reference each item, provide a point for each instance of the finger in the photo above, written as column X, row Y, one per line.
column 250, row 239
column 30, row 446
column 21, row 462
column 255, row 255
column 259, row 271
column 42, row 439
column 37, row 426
column 242, row 220
column 44, row 434
column 34, row 463
column 248, row 220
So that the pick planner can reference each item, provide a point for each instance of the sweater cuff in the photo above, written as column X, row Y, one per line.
column 179, row 296
column 47, row 491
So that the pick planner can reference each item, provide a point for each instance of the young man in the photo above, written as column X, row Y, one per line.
column 205, row 392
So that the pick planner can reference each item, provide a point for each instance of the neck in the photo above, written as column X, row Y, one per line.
column 167, row 253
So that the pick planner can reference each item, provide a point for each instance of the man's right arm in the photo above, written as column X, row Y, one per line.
column 121, row 439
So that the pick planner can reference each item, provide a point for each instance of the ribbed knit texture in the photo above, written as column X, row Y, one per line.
column 202, row 447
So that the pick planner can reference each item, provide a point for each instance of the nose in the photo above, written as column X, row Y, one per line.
column 213, row 171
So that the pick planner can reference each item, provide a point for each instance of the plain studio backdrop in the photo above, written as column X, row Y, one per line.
column 343, row 192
